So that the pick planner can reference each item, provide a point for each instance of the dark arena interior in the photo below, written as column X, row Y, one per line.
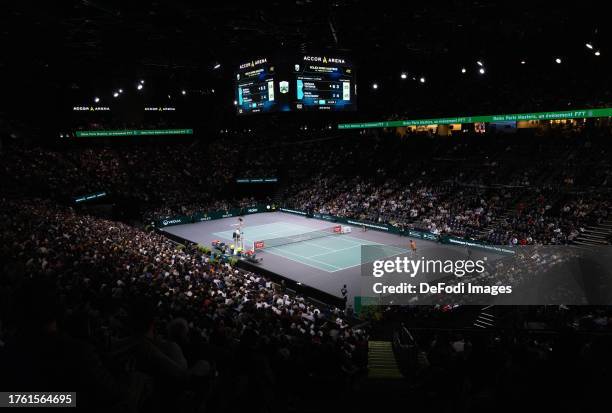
column 305, row 206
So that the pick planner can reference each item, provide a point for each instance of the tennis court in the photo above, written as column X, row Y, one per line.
column 331, row 253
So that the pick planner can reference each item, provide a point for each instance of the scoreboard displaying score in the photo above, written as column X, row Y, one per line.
column 324, row 83
column 255, row 87
column 303, row 83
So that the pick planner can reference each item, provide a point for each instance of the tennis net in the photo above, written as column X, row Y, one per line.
column 306, row 236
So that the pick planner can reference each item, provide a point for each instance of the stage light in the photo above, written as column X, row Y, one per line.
column 217, row 66
column 422, row 80
column 169, row 97
column 183, row 92
column 481, row 71
column 139, row 87
column 589, row 46
column 597, row 53
column 116, row 94
column 375, row 86
column 558, row 60
column 479, row 63
column 403, row 75
column 463, row 70
column 235, row 102
column 96, row 99
column 120, row 90
column 142, row 82
column 523, row 62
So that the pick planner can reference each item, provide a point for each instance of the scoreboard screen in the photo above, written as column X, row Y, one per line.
column 324, row 83
column 305, row 83
column 255, row 87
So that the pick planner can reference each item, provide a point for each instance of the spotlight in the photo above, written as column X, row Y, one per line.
column 558, row 60
column 403, row 75
column 116, row 94
column 235, row 102
column 463, row 70
column 479, row 63
column 142, row 82
column 217, row 66
column 183, row 92
column 589, row 46
column 96, row 99
column 481, row 71
column 523, row 62
column 597, row 53
column 139, row 87
column 374, row 85
column 422, row 80
column 120, row 90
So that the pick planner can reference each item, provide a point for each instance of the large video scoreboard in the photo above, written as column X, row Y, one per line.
column 303, row 83
column 324, row 83
column 255, row 87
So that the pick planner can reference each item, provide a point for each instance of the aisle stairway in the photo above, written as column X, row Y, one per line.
column 381, row 361
column 596, row 235
column 485, row 319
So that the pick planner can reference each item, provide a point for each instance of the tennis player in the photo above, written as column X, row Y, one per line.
column 413, row 246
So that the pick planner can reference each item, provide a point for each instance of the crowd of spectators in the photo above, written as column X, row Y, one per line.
column 499, row 189
column 132, row 320
column 503, row 191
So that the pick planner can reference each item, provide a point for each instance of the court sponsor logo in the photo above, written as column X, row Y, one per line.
column 171, row 221
column 292, row 211
column 381, row 227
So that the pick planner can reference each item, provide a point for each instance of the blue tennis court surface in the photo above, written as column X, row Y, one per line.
column 331, row 254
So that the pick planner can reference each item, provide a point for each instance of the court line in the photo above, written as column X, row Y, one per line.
column 356, row 241
column 247, row 240
column 281, row 233
column 333, row 251
column 361, row 263
column 281, row 254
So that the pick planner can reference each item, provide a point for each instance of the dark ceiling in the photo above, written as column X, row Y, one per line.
column 59, row 50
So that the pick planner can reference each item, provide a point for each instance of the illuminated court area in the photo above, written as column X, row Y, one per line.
column 331, row 253
column 326, row 263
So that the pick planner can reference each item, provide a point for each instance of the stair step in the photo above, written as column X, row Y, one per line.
column 381, row 361
column 591, row 243
column 591, row 235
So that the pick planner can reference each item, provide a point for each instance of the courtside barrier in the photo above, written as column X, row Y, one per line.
column 212, row 215
column 234, row 212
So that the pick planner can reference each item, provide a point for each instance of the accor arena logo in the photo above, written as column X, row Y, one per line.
column 253, row 63
column 324, row 59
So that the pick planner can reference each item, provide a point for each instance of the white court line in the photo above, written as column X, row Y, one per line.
column 361, row 263
column 356, row 241
column 282, row 233
column 331, row 252
column 282, row 254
